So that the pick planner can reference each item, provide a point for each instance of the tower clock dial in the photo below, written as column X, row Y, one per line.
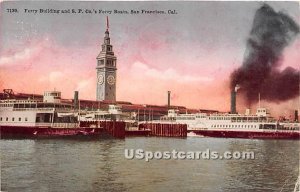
column 100, row 79
column 111, row 80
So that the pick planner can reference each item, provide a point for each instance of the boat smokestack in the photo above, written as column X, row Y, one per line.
column 76, row 99
column 296, row 116
column 233, row 100
column 169, row 99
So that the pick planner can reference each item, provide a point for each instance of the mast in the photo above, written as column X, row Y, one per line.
column 79, row 113
column 259, row 100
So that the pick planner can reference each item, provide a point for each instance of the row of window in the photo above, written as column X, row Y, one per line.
column 10, row 102
column 261, row 110
column 42, row 105
column 240, row 119
column 100, row 117
column 185, row 118
column 108, row 62
column 13, row 119
column 234, row 126
column 6, row 105
column 56, row 94
column 219, row 118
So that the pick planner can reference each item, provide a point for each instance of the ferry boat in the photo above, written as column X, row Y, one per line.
column 49, row 117
column 114, row 112
column 259, row 125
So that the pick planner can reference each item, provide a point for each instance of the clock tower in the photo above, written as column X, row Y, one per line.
column 106, row 70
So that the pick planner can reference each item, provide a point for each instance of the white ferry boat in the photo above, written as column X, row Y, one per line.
column 49, row 117
column 259, row 125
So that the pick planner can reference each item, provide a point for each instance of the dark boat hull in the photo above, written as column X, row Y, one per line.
column 32, row 132
column 248, row 134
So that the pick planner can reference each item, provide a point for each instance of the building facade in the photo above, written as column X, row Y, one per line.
column 106, row 71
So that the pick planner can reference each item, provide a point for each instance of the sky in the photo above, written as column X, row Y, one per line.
column 191, row 53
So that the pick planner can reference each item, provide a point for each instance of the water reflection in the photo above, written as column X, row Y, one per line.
column 100, row 165
column 274, row 168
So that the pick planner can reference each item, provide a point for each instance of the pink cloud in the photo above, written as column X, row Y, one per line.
column 143, row 84
column 45, row 65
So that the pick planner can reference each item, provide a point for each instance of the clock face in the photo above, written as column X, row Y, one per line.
column 100, row 79
column 111, row 80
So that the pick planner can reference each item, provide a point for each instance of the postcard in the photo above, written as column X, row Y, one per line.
column 149, row 96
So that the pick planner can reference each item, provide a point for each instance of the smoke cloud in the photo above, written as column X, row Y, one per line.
column 271, row 33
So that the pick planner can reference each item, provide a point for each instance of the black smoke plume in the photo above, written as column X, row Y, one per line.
column 271, row 33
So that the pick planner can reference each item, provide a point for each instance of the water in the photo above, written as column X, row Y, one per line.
column 100, row 165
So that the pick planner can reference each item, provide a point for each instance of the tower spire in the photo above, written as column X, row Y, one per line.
column 107, row 23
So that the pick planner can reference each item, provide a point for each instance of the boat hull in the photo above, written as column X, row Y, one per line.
column 247, row 134
column 29, row 132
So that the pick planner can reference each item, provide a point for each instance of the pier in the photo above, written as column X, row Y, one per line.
column 117, row 129
column 114, row 128
column 164, row 129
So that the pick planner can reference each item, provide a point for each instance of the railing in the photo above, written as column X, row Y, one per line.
column 65, row 125
column 57, row 125
column 33, row 109
column 198, row 128
column 280, row 130
column 162, row 122
column 253, row 121
column 46, row 125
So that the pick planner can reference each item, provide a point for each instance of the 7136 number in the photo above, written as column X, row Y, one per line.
column 12, row 10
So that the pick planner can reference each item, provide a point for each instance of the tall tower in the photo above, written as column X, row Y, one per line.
column 106, row 70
